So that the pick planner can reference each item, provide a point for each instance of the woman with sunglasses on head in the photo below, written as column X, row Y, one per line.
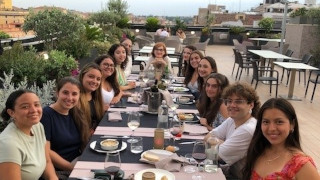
column 110, row 89
column 191, row 79
column 66, row 129
column 275, row 151
column 90, row 95
column 159, row 60
column 119, row 53
column 236, row 132
column 23, row 146
column 184, row 59
column 211, row 108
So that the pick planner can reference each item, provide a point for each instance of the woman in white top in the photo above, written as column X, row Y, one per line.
column 159, row 60
column 192, row 76
column 128, row 44
column 111, row 92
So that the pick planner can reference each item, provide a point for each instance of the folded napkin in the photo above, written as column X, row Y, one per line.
column 172, row 163
column 114, row 116
column 195, row 129
column 132, row 99
column 167, row 96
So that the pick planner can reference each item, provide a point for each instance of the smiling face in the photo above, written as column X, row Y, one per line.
column 128, row 44
column 91, row 80
column 107, row 67
column 194, row 60
column 204, row 68
column 68, row 96
column 120, row 54
column 27, row 110
column 212, row 88
column 186, row 54
column 159, row 52
column 275, row 126
column 238, row 108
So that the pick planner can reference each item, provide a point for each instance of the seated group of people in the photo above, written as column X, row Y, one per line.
column 255, row 142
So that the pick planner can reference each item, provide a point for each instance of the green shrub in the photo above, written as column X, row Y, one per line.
column 4, row 35
column 102, row 47
column 236, row 30
column 152, row 24
column 266, row 24
column 299, row 12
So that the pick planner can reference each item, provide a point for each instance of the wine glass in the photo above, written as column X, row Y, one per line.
column 133, row 123
column 199, row 154
column 112, row 164
column 176, row 131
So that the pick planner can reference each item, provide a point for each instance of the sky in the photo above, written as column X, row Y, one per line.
column 146, row 7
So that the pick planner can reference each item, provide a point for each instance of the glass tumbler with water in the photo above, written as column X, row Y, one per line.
column 212, row 149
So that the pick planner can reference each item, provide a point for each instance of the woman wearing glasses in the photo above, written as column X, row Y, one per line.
column 275, row 151
column 211, row 108
column 235, row 133
column 159, row 61
column 111, row 93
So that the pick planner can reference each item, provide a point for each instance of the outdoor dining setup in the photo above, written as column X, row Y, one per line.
column 156, row 131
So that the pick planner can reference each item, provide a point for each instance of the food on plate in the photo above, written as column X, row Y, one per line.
column 179, row 89
column 151, row 157
column 184, row 99
column 148, row 176
column 164, row 178
column 170, row 148
column 184, row 116
column 109, row 144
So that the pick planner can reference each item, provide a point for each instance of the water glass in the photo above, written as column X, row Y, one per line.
column 191, row 165
column 137, row 146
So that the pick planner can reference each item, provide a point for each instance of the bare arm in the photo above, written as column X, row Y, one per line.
column 307, row 171
column 49, row 172
column 130, row 85
column 9, row 171
column 117, row 98
column 58, row 161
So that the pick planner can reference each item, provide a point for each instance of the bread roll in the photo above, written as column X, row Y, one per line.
column 164, row 178
column 151, row 157
column 148, row 176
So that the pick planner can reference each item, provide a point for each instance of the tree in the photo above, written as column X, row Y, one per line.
column 266, row 24
column 152, row 24
column 118, row 7
column 53, row 23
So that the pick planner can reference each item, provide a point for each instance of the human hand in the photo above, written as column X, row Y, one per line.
column 115, row 100
column 203, row 121
column 132, row 84
column 106, row 107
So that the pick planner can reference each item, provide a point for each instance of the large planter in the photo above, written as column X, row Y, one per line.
column 301, row 20
column 235, row 36
column 203, row 38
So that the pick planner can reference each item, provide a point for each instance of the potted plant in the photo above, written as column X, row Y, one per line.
column 266, row 24
column 299, row 16
column 235, row 33
column 206, row 30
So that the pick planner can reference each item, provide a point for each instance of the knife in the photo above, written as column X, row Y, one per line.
column 191, row 142
column 111, row 136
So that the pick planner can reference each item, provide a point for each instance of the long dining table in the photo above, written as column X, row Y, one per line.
column 130, row 162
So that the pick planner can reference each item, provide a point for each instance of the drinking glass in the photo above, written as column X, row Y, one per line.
column 133, row 123
column 176, row 131
column 112, row 164
column 199, row 154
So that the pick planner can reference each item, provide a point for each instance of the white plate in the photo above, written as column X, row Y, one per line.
column 180, row 89
column 93, row 145
column 158, row 172
column 162, row 153
column 190, row 102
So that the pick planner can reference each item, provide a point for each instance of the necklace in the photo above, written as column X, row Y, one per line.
column 270, row 160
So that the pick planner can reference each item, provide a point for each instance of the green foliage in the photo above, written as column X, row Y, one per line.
column 152, row 24
column 123, row 23
column 266, row 24
column 54, row 23
column 102, row 47
column 45, row 93
column 209, row 20
column 4, row 35
column 93, row 33
column 299, row 12
column 23, row 64
column 59, row 65
column 205, row 31
column 252, row 34
column 129, row 34
column 118, row 7
column 180, row 24
column 237, row 30
column 315, row 14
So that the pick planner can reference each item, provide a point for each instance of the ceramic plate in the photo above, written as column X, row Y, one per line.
column 158, row 172
column 93, row 145
column 181, row 89
column 160, row 152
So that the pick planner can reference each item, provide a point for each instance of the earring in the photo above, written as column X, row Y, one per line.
column 250, row 111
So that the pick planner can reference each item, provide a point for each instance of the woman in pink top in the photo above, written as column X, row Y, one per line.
column 275, row 151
